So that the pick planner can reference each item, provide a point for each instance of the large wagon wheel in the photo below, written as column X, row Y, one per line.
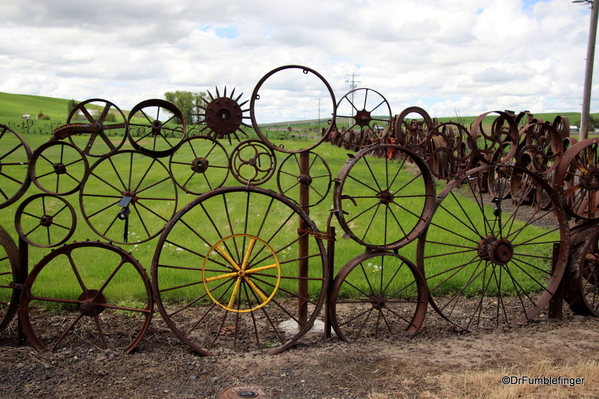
column 45, row 220
column 200, row 164
column 490, row 261
column 448, row 151
column 578, row 176
column 384, row 211
column 14, row 160
column 128, row 197
column 295, row 76
column 90, row 125
column 316, row 178
column 369, row 115
column 377, row 294
column 156, row 127
column 9, row 274
column 58, row 168
column 581, row 283
column 90, row 286
column 232, row 266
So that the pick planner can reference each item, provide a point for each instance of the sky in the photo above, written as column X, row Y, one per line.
column 449, row 57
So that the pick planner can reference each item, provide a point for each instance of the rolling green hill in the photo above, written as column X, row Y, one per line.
column 13, row 106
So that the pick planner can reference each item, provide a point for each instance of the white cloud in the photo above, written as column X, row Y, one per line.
column 444, row 55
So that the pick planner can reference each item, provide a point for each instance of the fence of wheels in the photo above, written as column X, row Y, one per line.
column 485, row 225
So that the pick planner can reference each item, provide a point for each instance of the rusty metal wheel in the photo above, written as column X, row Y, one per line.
column 368, row 115
column 10, row 273
column 578, row 177
column 90, row 126
column 128, row 197
column 14, row 160
column 540, row 149
column 45, row 220
column 292, row 76
column 200, row 164
column 448, row 150
column 306, row 172
column 156, row 127
column 488, row 260
column 87, row 299
column 253, row 162
column 232, row 271
column 497, row 143
column 377, row 295
column 223, row 116
column 384, row 210
column 581, row 283
column 413, row 132
column 58, row 168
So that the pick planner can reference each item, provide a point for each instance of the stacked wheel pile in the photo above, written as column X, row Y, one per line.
column 242, row 267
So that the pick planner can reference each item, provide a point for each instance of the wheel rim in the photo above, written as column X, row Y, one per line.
column 498, row 249
column 400, row 203
column 393, row 299
column 201, row 293
column 82, row 297
column 14, row 181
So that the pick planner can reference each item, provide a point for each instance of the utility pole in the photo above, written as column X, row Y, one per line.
column 352, row 85
column 588, row 74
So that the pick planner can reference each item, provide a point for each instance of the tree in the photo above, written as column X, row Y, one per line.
column 187, row 102
column 71, row 104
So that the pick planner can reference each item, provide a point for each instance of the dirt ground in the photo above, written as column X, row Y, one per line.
column 428, row 365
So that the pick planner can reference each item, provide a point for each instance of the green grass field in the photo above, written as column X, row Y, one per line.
column 135, row 178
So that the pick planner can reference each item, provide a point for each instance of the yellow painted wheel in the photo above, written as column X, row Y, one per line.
column 228, row 274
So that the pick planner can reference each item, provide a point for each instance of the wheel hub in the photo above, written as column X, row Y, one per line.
column 46, row 220
column 305, row 179
column 378, row 303
column 385, row 196
column 363, row 118
column 199, row 165
column 590, row 180
column 92, row 302
column 60, row 168
column 498, row 251
column 223, row 115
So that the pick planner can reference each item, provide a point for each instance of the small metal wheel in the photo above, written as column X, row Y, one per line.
column 200, row 164
column 497, row 144
column 448, row 150
column 294, row 76
column 156, row 127
column 368, row 115
column 232, row 271
column 87, row 300
column 58, row 168
column 128, row 197
column 305, row 172
column 413, row 133
column 384, row 210
column 581, row 283
column 488, row 260
column 253, row 162
column 377, row 295
column 96, row 127
column 45, row 220
column 223, row 116
column 540, row 149
column 9, row 273
column 578, row 177
column 14, row 161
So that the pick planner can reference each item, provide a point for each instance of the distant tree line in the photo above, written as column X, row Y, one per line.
column 188, row 103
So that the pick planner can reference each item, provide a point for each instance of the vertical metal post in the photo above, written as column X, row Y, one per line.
column 304, row 198
column 588, row 74
column 329, row 288
column 22, row 276
column 556, row 302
